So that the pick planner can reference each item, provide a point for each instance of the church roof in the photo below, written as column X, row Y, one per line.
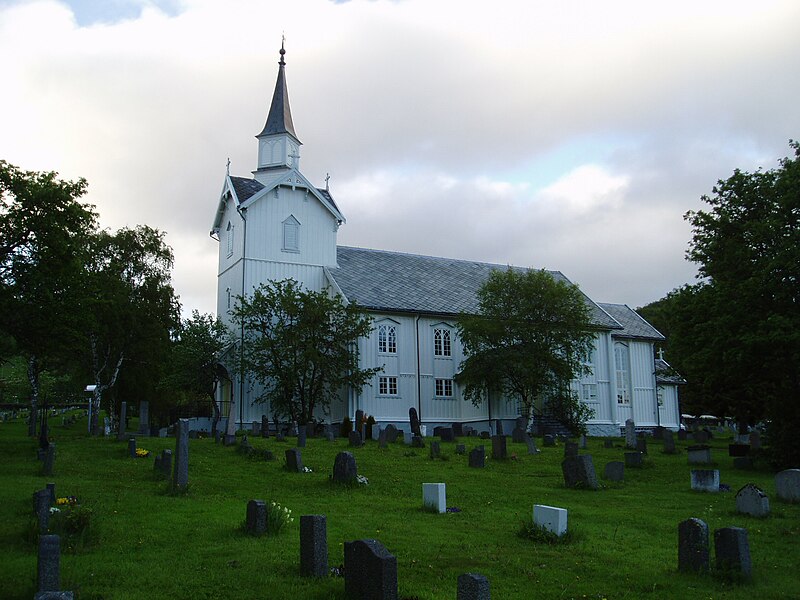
column 279, row 119
column 396, row 282
column 245, row 188
column 633, row 325
column 666, row 374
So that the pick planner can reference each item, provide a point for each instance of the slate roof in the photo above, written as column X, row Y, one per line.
column 666, row 374
column 245, row 188
column 396, row 282
column 328, row 197
column 279, row 119
column 633, row 326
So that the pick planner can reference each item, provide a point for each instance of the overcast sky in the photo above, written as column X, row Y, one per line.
column 566, row 135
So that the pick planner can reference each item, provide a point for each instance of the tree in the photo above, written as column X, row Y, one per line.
column 301, row 346
column 528, row 340
column 195, row 365
column 747, row 246
column 44, row 231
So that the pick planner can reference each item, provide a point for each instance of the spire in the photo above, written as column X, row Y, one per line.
column 280, row 115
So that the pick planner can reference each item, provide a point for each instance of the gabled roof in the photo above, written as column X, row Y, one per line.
column 633, row 325
column 666, row 374
column 245, row 188
column 279, row 119
column 396, row 282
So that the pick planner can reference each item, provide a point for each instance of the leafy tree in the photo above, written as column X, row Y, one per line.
column 301, row 346
column 528, row 341
column 44, row 231
column 747, row 245
column 195, row 367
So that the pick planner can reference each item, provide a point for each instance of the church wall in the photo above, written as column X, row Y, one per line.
column 230, row 217
column 669, row 414
column 643, row 402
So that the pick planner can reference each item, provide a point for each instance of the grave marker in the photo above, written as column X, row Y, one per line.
column 355, row 439
column 693, row 553
column 732, row 551
column 699, row 455
column 144, row 418
column 48, row 569
column 370, row 571
column 641, row 444
column 787, row 485
column 313, row 546
column 435, row 450
column 477, row 457
column 751, row 500
column 41, row 506
column 633, row 460
column 755, row 439
column 123, row 418
column 180, row 478
column 630, row 433
column 532, row 449
column 668, row 441
column 551, row 518
column 391, row 434
column 132, row 448
column 256, row 520
column 473, row 586
column 570, row 449
column 301, row 437
column 344, row 468
column 705, row 480
column 294, row 460
column 414, row 420
column 499, row 450
column 548, row 440
column 579, row 472
column 434, row 497
column 518, row 435
column 615, row 471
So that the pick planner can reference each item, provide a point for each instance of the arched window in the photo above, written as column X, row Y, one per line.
column 387, row 339
column 291, row 235
column 229, row 237
column 623, row 368
column 441, row 342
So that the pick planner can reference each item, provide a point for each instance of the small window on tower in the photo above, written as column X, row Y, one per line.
column 229, row 238
column 291, row 235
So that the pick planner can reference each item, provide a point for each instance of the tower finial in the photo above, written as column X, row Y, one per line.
column 282, row 62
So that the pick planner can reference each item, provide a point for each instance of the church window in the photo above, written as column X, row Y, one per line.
column 387, row 386
column 229, row 238
column 660, row 396
column 387, row 339
column 291, row 235
column 622, row 365
column 441, row 342
column 589, row 392
column 444, row 388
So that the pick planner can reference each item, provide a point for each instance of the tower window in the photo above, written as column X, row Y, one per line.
column 229, row 238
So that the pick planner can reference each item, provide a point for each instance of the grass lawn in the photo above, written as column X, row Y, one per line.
column 150, row 544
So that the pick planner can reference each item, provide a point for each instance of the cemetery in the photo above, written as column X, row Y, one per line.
column 384, row 518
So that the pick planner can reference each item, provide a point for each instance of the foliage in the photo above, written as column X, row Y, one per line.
column 75, row 524
column 278, row 517
column 528, row 339
column 565, row 406
column 301, row 346
column 537, row 533
column 346, row 427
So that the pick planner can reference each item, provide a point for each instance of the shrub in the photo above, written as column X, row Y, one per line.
column 278, row 517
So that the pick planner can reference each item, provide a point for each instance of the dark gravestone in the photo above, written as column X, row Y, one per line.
column 359, row 420
column 700, row 436
column 313, row 546
column 382, row 441
column 570, row 449
column 294, row 460
column 630, row 434
column 732, row 551
column 180, row 478
column 414, row 420
column 256, row 522
column 583, row 443
column 477, row 457
column 264, row 426
column 329, row 436
column 468, row 431
column 417, row 441
column 355, row 439
column 301, row 437
column 693, row 546
column 461, row 449
column 699, row 455
column 255, row 428
column 499, row 450
column 51, row 487
column 391, row 434
column 48, row 572
column 49, row 459
column 755, row 439
column 669, row 442
column 633, row 459
column 458, row 429
column 658, row 432
column 498, row 428
column 310, row 428
column 485, row 435
column 437, row 431
column 123, row 418
column 228, row 439
column 472, row 586
column 641, row 444
column 344, row 468
column 166, row 463
column 751, row 500
column 436, row 452
column 370, row 571
column 41, row 507
column 682, row 435
column 532, row 449
column 193, row 434
column 217, row 435
column 738, row 449
column 548, row 441
column 132, row 448
column 608, row 443
column 579, row 472
column 446, row 434
column 744, row 463
column 144, row 418
column 518, row 435
column 615, row 471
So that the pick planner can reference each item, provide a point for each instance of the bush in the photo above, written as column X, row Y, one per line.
column 278, row 517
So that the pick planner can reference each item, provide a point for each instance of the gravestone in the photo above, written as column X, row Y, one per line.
column 682, row 435
column 414, row 419
column 751, row 500
column 641, row 444
column 551, row 518
column 548, row 440
column 693, row 555
column 329, row 436
column 633, row 460
column 458, row 429
column 630, row 434
column 477, row 457
column 180, row 477
column 498, row 428
column 668, row 440
column 732, row 551
column 437, row 431
column 787, row 485
column 468, row 431
column 499, row 449
column 699, row 455
column 301, row 437
column 344, row 468
column 264, row 426
column 608, row 443
column 313, row 546
column 485, row 435
column 41, row 507
column 310, row 429
column 370, row 571
column 705, row 480
column 48, row 568
column 164, row 463
column 294, row 460
column 359, row 420
column 228, row 439
column 461, row 449
column 570, row 449
column 408, row 437
column 700, row 436
column 417, row 442
column 755, row 439
column 446, row 434
column 144, row 418
column 255, row 428
column 391, row 434
column 738, row 449
column 615, row 471
column 256, row 520
column 51, row 487
column 473, row 586
column 518, row 435
column 658, row 432
column 435, row 450
column 744, row 463
column 123, row 418
column 579, row 472
column 382, row 439
column 50, row 459
column 583, row 443
column 375, row 430
column 355, row 439
column 532, row 449
column 434, row 497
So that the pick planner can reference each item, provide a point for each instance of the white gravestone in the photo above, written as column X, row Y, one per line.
column 434, row 496
column 551, row 518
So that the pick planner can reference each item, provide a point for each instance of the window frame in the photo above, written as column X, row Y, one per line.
column 387, row 338
column 387, row 385
column 443, row 387
column 442, row 342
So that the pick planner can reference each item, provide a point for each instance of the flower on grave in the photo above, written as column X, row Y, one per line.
column 71, row 500
column 54, row 510
column 142, row 453
column 453, row 509
column 307, row 470
column 361, row 480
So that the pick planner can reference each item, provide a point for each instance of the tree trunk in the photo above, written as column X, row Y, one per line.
column 33, row 380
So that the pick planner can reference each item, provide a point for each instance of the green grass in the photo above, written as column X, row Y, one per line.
column 148, row 543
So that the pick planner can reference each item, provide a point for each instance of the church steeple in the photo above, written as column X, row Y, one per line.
column 278, row 146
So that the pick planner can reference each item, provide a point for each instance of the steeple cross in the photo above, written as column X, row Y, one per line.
column 327, row 180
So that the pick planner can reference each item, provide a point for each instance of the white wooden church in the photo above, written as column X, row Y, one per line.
column 278, row 225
